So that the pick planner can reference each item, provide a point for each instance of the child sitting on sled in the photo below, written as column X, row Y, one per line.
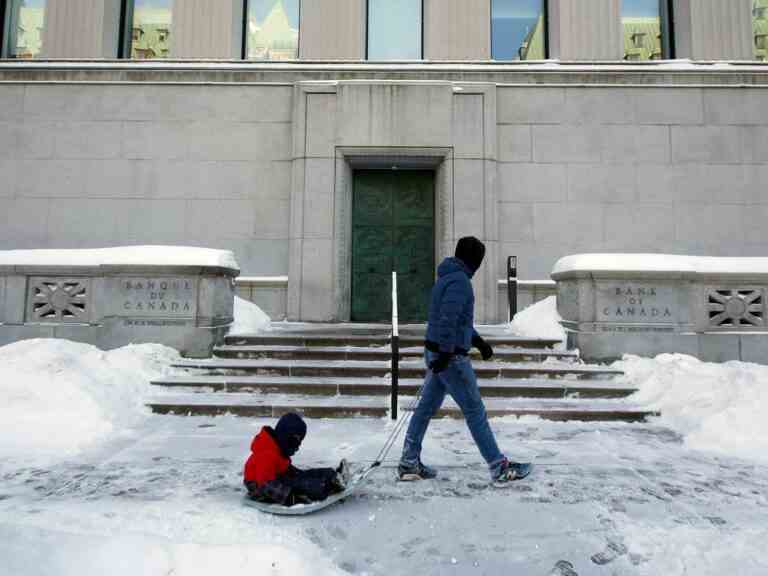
column 270, row 477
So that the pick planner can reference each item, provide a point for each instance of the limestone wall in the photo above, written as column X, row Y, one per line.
column 92, row 165
column 538, row 163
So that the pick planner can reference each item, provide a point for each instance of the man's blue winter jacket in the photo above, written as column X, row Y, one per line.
column 452, row 308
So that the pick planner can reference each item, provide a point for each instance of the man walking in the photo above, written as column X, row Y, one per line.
column 450, row 336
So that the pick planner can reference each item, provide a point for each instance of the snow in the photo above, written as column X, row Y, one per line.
column 58, row 397
column 540, row 320
column 122, row 256
column 716, row 407
column 659, row 263
column 249, row 318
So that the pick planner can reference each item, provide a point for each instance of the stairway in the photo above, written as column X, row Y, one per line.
column 342, row 370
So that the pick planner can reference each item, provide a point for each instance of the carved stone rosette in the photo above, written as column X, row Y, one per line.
column 735, row 307
column 58, row 300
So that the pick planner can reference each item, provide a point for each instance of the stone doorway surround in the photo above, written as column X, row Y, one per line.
column 339, row 127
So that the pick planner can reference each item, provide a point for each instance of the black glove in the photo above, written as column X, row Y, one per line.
column 441, row 362
column 485, row 349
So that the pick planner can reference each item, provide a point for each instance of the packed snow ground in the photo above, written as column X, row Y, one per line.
column 88, row 476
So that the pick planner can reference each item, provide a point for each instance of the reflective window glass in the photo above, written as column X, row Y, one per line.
column 150, row 33
column 272, row 31
column 394, row 29
column 760, row 22
column 518, row 30
column 641, row 20
column 26, row 22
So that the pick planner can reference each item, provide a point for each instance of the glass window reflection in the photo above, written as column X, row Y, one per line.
column 272, row 31
column 518, row 30
column 151, row 29
column 760, row 24
column 641, row 21
column 26, row 22
column 394, row 29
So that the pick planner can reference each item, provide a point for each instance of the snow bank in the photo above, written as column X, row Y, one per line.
column 122, row 256
column 58, row 397
column 539, row 320
column 249, row 318
column 717, row 407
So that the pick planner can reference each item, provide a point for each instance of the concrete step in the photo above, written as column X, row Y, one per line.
column 317, row 338
column 314, row 386
column 365, row 406
column 288, row 352
column 408, row 369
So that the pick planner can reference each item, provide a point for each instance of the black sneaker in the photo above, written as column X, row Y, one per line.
column 511, row 471
column 418, row 471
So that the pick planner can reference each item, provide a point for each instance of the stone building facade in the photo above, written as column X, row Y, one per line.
column 330, row 170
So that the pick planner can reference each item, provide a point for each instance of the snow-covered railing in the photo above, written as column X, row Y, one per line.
column 712, row 308
column 178, row 296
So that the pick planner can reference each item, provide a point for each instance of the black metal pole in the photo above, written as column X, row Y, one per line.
column 395, row 373
column 511, row 287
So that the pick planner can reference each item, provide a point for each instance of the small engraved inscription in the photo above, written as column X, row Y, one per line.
column 158, row 297
column 636, row 303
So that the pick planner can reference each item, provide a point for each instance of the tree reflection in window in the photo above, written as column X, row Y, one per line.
column 272, row 31
column 151, row 29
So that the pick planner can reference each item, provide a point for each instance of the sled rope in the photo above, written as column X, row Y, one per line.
column 401, row 422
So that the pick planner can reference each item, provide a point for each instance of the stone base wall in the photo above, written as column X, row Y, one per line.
column 187, row 308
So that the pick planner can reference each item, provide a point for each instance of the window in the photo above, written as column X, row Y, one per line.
column 760, row 24
column 272, row 30
column 518, row 30
column 150, row 28
column 395, row 29
column 646, row 24
column 23, row 28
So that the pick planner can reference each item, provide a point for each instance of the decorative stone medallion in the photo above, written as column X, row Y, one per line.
column 735, row 307
column 58, row 300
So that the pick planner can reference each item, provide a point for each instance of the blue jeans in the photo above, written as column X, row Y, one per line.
column 458, row 380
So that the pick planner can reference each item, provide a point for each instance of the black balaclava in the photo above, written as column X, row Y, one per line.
column 289, row 433
column 470, row 251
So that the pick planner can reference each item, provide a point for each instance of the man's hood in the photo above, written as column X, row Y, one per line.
column 451, row 265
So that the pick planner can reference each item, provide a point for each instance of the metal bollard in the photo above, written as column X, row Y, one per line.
column 511, row 287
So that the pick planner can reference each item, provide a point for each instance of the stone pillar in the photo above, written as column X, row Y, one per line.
column 207, row 29
column 332, row 30
column 457, row 30
column 81, row 29
column 581, row 30
column 713, row 29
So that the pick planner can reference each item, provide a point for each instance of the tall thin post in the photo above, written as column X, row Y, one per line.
column 395, row 348
column 511, row 287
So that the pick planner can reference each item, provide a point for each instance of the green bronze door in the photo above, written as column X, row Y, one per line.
column 392, row 229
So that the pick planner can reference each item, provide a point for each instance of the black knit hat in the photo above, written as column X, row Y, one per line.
column 289, row 433
column 470, row 251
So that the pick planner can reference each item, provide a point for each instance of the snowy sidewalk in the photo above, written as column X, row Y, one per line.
column 608, row 498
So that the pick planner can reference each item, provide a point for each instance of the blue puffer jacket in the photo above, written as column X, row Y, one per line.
column 452, row 307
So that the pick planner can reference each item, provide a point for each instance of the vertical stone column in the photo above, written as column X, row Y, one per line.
column 581, row 30
column 457, row 30
column 81, row 29
column 713, row 30
column 207, row 29
column 332, row 30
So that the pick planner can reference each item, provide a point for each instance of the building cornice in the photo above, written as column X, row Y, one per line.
column 673, row 72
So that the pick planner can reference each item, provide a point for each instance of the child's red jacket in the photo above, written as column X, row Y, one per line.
column 266, row 462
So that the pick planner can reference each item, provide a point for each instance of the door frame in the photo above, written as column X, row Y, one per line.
column 438, row 160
